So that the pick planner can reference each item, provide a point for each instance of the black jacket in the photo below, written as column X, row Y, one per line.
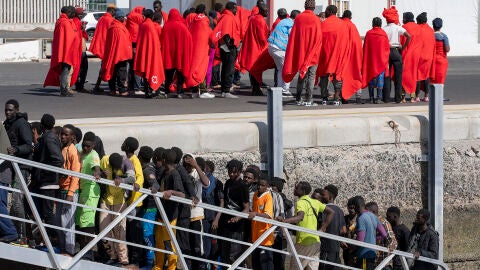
column 20, row 135
column 49, row 152
column 427, row 243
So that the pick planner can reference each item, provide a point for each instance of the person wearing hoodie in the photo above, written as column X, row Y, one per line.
column 20, row 135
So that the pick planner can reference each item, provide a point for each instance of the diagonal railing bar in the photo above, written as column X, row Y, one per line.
column 172, row 235
column 252, row 248
column 404, row 263
column 109, row 227
column 385, row 262
column 226, row 211
column 36, row 216
column 292, row 248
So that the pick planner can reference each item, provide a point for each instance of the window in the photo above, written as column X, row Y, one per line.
column 341, row 5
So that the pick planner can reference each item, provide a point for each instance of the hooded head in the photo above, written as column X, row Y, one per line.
column 174, row 15
column 391, row 15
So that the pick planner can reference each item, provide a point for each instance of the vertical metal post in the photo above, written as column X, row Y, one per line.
column 275, row 132
column 435, row 162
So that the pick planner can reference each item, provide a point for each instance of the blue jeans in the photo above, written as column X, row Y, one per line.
column 148, row 235
column 7, row 229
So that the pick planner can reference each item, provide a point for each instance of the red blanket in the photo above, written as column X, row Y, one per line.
column 440, row 62
column 134, row 20
column 352, row 73
column 426, row 69
column 243, row 15
column 376, row 54
column 227, row 24
column 65, row 49
column 254, row 43
column 97, row 46
column 190, row 18
column 148, row 58
column 177, row 44
column 263, row 62
column 304, row 45
column 335, row 47
column 200, row 29
column 411, row 58
column 119, row 48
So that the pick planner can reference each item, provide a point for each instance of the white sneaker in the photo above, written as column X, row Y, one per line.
column 310, row 104
column 300, row 102
column 286, row 93
column 228, row 95
column 207, row 95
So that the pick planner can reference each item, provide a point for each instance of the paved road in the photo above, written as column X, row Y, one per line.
column 23, row 81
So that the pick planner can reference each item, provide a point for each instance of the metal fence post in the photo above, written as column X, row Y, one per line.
column 275, row 132
column 435, row 162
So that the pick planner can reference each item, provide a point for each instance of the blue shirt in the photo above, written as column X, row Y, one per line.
column 439, row 36
column 367, row 222
column 280, row 34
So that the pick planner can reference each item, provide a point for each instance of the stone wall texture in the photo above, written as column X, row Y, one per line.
column 389, row 175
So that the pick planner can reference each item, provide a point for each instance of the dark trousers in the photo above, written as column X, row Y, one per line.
column 426, row 87
column 169, row 74
column 207, row 241
column 395, row 62
column 278, row 258
column 337, row 85
column 134, row 81
column 18, row 208
column 275, row 79
column 183, row 239
column 262, row 259
column 215, row 75
column 255, row 85
column 7, row 229
column 45, row 209
column 136, row 255
column 329, row 257
column 119, row 78
column 83, row 240
column 64, row 77
column 228, row 68
column 82, row 75
column 196, row 244
column 231, row 251
column 365, row 264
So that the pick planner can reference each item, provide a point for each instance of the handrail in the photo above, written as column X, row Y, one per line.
column 222, row 210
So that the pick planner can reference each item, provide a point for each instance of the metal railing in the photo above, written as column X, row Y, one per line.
column 34, row 11
column 145, row 192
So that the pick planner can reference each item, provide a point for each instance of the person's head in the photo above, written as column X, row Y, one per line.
column 310, row 5
column 67, row 135
column 282, row 13
column 423, row 216
column 331, row 10
column 201, row 163
column 209, row 166
column 302, row 188
column 188, row 12
column 232, row 6
column 78, row 135
column 201, row 9
column 263, row 184
column 179, row 154
column 157, row 17
column 69, row 11
column 57, row 130
column 329, row 193
column 148, row 13
column 145, row 154
column 11, row 109
column 187, row 166
column 351, row 207
column 294, row 14
column 255, row 168
column 277, row 184
column 170, row 157
column 119, row 15
column 437, row 24
column 130, row 145
column 250, row 175
column 36, row 131
column 408, row 17
column 157, row 6
column 158, row 156
column 393, row 215
column 377, row 22
column 88, row 143
column 372, row 207
column 347, row 14
column 99, row 147
column 422, row 18
column 218, row 7
column 116, row 161
column 79, row 12
column 358, row 203
column 316, row 194
column 234, row 168
column 321, row 15
column 111, row 10
column 262, row 7
column 47, row 121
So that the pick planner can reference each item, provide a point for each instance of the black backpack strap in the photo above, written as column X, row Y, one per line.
column 314, row 212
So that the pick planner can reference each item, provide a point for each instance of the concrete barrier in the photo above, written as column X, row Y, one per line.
column 21, row 51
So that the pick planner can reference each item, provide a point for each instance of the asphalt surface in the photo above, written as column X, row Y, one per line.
column 23, row 81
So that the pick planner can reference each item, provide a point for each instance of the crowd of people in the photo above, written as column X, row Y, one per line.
column 247, row 189
column 170, row 55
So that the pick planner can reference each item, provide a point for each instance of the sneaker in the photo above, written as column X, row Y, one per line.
column 310, row 103
column 20, row 243
column 229, row 95
column 426, row 99
column 300, row 102
column 180, row 96
column 325, row 101
column 66, row 94
column 286, row 94
column 337, row 103
column 207, row 95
